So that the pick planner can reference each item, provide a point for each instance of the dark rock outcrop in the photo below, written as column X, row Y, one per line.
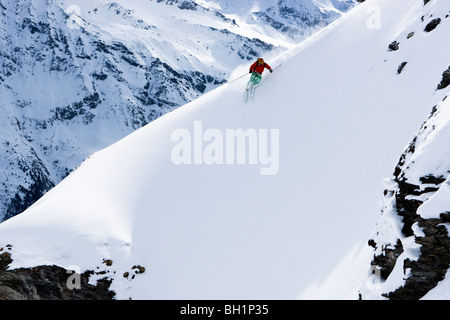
column 393, row 46
column 48, row 282
column 401, row 67
column 433, row 263
column 409, row 190
column 385, row 262
column 445, row 79
column 432, row 25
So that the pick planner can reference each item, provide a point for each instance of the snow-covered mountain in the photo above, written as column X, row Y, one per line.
column 277, row 198
column 409, row 248
column 76, row 76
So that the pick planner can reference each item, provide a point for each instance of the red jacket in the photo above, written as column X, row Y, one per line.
column 259, row 68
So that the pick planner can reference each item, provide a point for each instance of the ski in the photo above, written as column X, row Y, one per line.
column 249, row 92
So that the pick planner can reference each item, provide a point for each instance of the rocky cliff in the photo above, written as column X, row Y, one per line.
column 413, row 233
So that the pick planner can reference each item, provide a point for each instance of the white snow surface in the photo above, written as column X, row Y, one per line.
column 224, row 231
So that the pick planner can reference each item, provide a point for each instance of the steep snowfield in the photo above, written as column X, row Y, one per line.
column 339, row 115
column 77, row 76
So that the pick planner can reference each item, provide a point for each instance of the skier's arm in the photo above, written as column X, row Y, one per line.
column 252, row 67
column 269, row 68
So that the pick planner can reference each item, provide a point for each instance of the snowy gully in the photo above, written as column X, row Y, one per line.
column 234, row 146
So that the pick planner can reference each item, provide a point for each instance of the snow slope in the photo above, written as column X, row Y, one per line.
column 225, row 231
column 77, row 76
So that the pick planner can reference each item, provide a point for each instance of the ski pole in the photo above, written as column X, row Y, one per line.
column 237, row 78
column 276, row 67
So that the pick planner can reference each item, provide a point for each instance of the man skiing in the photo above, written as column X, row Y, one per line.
column 256, row 69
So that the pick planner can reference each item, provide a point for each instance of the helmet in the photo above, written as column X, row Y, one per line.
column 260, row 60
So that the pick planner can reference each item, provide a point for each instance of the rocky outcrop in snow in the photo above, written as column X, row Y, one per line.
column 413, row 233
column 48, row 283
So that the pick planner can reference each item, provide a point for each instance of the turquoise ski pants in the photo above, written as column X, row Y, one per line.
column 255, row 79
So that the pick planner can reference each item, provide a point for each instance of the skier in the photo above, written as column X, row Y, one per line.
column 256, row 69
